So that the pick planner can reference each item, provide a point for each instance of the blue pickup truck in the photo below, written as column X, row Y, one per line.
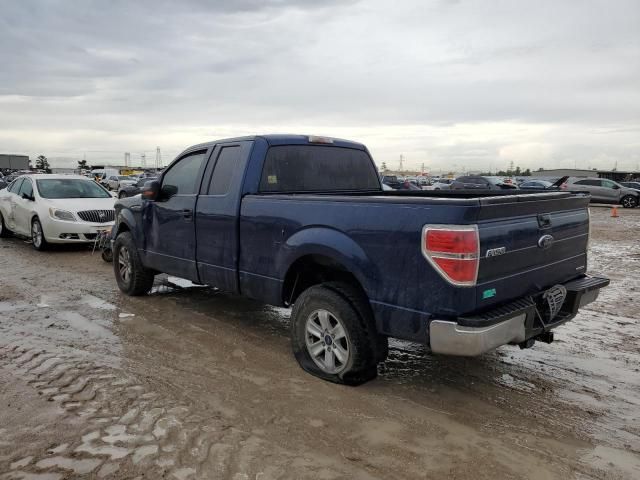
column 301, row 221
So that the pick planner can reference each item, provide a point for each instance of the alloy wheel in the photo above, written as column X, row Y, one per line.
column 36, row 234
column 327, row 341
column 124, row 264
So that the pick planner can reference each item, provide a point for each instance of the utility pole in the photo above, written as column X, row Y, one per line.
column 158, row 159
column 127, row 159
column 422, row 171
column 401, row 159
column 143, row 160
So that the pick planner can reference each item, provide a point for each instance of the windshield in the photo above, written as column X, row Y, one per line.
column 70, row 188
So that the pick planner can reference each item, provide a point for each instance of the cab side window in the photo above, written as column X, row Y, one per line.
column 183, row 177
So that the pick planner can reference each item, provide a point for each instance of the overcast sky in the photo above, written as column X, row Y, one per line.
column 451, row 84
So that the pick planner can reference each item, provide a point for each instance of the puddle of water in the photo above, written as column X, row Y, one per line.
column 79, row 467
column 80, row 322
column 95, row 302
column 21, row 463
column 614, row 460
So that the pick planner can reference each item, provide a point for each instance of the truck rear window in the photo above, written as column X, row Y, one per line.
column 315, row 168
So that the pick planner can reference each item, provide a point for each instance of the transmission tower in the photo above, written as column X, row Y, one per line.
column 158, row 159
column 143, row 160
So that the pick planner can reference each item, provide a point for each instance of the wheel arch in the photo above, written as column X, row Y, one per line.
column 318, row 254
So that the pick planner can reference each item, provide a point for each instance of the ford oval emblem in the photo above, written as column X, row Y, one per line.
column 545, row 241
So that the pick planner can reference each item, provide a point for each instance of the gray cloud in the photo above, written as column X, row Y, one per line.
column 448, row 79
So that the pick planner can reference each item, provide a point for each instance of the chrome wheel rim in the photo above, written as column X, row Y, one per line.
column 327, row 341
column 628, row 202
column 124, row 264
column 36, row 234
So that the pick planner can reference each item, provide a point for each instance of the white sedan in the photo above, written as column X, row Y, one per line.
column 55, row 209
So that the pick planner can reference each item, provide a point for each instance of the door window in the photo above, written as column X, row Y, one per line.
column 223, row 172
column 26, row 188
column 15, row 186
column 608, row 184
column 593, row 183
column 183, row 177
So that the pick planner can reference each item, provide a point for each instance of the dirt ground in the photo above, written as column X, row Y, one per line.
column 191, row 383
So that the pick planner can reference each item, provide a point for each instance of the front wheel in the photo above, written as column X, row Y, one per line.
column 132, row 277
column 629, row 202
column 37, row 235
column 4, row 231
column 331, row 339
column 122, row 195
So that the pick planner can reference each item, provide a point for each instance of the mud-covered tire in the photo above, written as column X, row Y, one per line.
column 4, row 231
column 135, row 280
column 629, row 201
column 107, row 255
column 341, row 302
column 360, row 302
column 37, row 235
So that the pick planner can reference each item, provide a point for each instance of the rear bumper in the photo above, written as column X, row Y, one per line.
column 513, row 323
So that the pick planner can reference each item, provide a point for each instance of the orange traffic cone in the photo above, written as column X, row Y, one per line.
column 614, row 212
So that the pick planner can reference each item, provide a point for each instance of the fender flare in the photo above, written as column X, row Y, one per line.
column 331, row 243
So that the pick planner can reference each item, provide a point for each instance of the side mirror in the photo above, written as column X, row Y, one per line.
column 26, row 196
column 168, row 191
column 616, row 187
column 151, row 190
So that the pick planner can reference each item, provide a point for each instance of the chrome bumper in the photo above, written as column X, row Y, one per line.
column 450, row 338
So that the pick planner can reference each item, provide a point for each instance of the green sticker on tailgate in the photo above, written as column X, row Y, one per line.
column 491, row 292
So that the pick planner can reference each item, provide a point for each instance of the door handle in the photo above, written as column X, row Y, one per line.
column 187, row 213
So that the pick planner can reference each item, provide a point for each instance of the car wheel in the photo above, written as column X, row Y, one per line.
column 4, row 231
column 331, row 337
column 629, row 202
column 37, row 235
column 132, row 277
column 122, row 195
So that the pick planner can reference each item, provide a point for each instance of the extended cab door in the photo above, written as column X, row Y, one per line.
column 217, row 216
column 169, row 225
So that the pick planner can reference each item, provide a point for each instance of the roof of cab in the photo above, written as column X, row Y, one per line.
column 284, row 139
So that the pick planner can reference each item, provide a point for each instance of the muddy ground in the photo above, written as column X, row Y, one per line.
column 198, row 384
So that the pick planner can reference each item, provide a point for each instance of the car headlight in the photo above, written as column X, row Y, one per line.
column 61, row 215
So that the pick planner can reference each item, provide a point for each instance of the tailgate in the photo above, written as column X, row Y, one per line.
column 529, row 243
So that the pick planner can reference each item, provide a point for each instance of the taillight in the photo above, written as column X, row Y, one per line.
column 454, row 251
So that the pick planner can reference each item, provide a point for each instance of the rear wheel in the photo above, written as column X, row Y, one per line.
column 122, row 195
column 330, row 337
column 37, row 235
column 132, row 277
column 4, row 231
column 629, row 202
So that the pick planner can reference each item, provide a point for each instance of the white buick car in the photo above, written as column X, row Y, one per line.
column 55, row 209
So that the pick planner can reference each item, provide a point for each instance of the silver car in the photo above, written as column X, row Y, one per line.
column 603, row 190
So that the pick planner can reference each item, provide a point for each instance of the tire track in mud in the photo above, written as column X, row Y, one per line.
column 127, row 429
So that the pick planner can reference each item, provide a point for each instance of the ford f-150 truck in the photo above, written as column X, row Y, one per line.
column 303, row 221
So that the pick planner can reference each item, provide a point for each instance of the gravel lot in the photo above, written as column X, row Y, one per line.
column 190, row 383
